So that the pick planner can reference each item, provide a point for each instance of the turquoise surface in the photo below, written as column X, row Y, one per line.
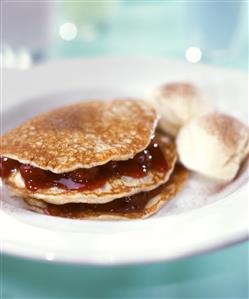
column 221, row 274
column 150, row 29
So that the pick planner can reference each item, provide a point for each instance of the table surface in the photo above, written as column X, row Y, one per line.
column 220, row 274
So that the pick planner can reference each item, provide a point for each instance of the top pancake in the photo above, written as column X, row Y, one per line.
column 115, row 187
column 82, row 135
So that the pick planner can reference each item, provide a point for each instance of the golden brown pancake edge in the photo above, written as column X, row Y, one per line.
column 119, row 187
column 82, row 135
column 172, row 187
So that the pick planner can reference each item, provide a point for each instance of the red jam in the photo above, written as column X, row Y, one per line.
column 129, row 204
column 82, row 179
column 8, row 166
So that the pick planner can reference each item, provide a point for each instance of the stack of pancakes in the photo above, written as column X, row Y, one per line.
column 98, row 160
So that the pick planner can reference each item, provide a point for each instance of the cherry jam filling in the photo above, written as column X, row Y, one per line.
column 129, row 204
column 82, row 179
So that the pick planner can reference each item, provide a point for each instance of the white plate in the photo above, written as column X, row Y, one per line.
column 202, row 217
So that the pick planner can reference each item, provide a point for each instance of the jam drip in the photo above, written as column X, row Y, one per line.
column 87, row 179
column 129, row 204
column 8, row 166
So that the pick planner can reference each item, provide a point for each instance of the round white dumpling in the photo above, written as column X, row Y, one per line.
column 177, row 103
column 214, row 145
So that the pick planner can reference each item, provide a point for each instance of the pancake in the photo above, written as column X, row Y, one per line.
column 103, row 160
column 82, row 135
column 115, row 187
column 75, row 211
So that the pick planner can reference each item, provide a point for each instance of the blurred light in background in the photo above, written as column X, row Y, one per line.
column 193, row 54
column 7, row 58
column 68, row 31
column 24, row 60
column 20, row 59
column 160, row 28
column 27, row 26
